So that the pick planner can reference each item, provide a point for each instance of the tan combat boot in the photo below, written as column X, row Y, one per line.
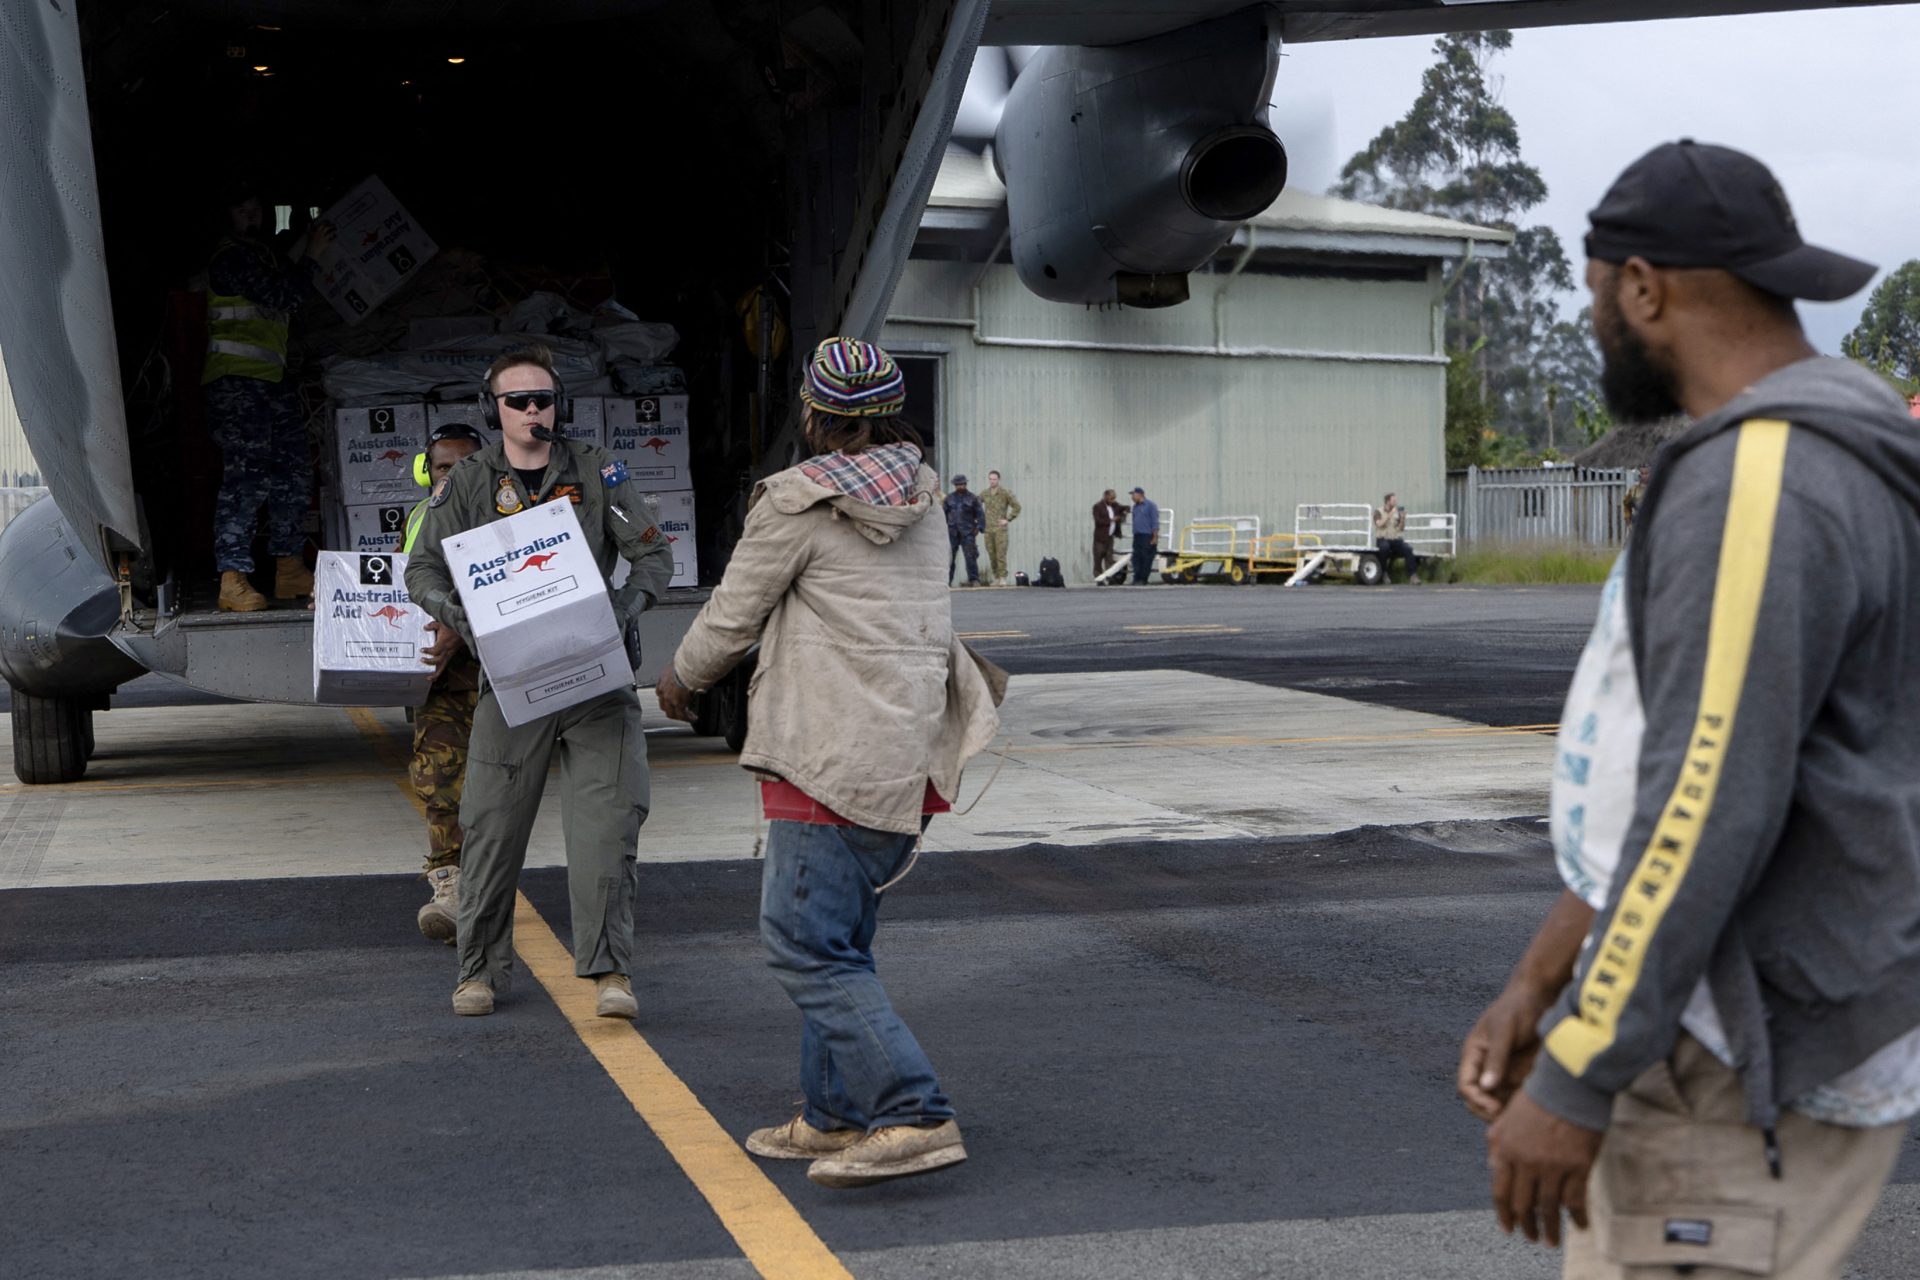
column 292, row 580
column 439, row 919
column 237, row 594
column 616, row 996
column 893, row 1152
column 473, row 998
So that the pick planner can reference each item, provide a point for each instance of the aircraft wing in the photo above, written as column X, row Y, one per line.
column 56, row 320
column 1030, row 22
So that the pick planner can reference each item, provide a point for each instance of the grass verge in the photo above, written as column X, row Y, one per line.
column 1534, row 562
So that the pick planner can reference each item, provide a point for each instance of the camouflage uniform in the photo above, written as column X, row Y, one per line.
column 999, row 504
column 258, row 424
column 263, row 441
column 441, row 728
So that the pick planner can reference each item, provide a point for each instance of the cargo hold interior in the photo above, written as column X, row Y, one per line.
column 650, row 159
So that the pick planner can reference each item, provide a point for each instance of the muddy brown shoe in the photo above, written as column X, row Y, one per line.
column 898, row 1151
column 237, row 594
column 440, row 918
column 473, row 998
column 292, row 580
column 616, row 996
column 798, row 1140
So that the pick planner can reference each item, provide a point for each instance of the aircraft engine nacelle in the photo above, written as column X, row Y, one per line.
column 1127, row 167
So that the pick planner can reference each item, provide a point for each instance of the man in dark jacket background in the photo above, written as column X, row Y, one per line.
column 1720, row 1020
column 966, row 521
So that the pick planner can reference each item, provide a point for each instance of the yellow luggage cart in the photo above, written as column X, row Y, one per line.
column 1231, row 548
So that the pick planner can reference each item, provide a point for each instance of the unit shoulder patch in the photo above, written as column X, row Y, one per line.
column 440, row 492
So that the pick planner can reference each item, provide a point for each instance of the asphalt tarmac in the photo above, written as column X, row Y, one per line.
column 1226, row 1057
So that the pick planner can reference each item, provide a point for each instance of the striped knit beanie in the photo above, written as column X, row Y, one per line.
column 854, row 379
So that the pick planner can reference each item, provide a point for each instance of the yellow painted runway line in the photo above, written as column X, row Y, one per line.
column 766, row 1226
column 771, row 1233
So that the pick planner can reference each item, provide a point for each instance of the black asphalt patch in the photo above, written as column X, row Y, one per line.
column 230, row 1078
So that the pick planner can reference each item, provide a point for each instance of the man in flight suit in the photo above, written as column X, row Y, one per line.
column 444, row 722
column 602, row 748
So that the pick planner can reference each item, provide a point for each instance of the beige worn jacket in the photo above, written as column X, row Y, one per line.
column 862, row 693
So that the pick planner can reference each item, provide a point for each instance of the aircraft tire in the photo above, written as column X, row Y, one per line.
column 49, row 739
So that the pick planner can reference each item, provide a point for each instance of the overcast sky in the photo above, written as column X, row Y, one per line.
column 1831, row 101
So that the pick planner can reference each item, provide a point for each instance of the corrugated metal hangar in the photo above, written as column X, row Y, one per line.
column 1307, row 366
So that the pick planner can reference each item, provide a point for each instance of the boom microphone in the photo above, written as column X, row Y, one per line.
column 548, row 434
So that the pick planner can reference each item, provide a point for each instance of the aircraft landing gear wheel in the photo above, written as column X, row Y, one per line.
column 50, row 739
column 1369, row 573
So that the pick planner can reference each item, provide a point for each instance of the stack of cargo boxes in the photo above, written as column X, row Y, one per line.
column 375, row 446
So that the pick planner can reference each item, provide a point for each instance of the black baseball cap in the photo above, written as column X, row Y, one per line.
column 1688, row 204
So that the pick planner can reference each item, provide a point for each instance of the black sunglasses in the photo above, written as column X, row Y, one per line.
column 519, row 400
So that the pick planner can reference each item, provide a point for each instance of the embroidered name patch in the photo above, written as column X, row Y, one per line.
column 1689, row 1231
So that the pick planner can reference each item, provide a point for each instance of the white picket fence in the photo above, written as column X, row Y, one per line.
column 1539, row 504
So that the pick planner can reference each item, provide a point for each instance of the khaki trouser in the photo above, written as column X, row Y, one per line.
column 1682, row 1181
column 605, row 792
column 997, row 554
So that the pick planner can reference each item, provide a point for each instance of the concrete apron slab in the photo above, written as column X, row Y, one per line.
column 244, row 791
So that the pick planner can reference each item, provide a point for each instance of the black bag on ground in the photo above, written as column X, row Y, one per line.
column 1020, row 578
column 1050, row 573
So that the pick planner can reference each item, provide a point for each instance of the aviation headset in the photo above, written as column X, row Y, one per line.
column 422, row 472
column 490, row 403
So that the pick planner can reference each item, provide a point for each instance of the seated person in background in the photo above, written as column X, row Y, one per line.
column 1390, row 537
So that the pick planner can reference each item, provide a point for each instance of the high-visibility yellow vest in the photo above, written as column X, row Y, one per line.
column 415, row 518
column 244, row 339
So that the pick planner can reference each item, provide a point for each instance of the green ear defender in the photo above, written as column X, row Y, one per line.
column 421, row 476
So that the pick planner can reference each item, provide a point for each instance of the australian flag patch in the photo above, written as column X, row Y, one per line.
column 614, row 473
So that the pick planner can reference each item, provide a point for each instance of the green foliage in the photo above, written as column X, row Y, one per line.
column 1468, row 417
column 1534, row 562
column 1456, row 154
column 1887, row 338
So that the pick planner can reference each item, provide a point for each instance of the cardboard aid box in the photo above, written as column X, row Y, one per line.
column 676, row 522
column 372, row 530
column 374, row 448
column 367, row 635
column 539, row 612
column 376, row 249
column 650, row 436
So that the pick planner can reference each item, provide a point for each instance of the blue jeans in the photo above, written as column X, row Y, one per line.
column 860, row 1068
column 1143, row 549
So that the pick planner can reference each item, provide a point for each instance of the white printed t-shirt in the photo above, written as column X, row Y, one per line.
column 1595, row 781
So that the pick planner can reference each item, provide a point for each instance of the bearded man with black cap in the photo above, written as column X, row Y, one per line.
column 863, row 711
column 1709, row 1054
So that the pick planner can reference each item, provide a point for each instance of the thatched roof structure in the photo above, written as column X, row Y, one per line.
column 1630, row 443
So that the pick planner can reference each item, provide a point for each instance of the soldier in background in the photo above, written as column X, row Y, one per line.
column 1630, row 505
column 1002, row 509
column 252, row 411
column 444, row 721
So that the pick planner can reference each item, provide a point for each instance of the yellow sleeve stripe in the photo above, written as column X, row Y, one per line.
column 1759, row 463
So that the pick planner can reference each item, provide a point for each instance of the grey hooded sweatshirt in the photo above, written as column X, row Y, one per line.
column 1773, row 592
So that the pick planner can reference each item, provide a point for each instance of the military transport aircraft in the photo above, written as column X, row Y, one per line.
column 702, row 148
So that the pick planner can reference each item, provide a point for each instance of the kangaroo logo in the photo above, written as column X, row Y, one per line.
column 656, row 444
column 391, row 614
column 393, row 455
column 535, row 562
